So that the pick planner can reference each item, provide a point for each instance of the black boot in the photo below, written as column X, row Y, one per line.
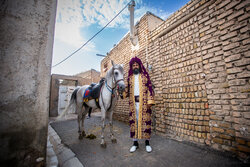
column 136, row 143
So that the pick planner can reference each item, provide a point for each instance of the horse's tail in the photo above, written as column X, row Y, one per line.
column 71, row 102
column 73, row 96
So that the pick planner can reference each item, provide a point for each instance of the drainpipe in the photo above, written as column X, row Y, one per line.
column 133, row 38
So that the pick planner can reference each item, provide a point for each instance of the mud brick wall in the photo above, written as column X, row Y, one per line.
column 226, row 62
column 200, row 67
column 178, row 75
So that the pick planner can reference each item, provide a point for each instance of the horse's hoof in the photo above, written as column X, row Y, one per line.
column 80, row 137
column 83, row 134
column 114, row 140
column 103, row 145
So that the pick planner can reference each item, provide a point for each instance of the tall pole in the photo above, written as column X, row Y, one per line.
column 133, row 38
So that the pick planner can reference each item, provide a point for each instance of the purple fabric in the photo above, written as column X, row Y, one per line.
column 137, row 60
column 132, row 134
column 131, row 121
column 148, row 131
column 142, row 71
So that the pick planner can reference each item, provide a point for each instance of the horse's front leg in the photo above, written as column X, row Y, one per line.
column 103, row 143
column 113, row 139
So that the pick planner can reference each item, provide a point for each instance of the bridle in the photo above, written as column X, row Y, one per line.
column 113, row 79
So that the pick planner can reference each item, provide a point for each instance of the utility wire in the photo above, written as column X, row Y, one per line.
column 90, row 38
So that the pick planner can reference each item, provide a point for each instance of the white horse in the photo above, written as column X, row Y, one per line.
column 107, row 99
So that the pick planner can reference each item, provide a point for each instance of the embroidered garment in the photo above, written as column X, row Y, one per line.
column 140, row 129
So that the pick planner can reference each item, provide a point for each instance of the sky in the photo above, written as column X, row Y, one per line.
column 78, row 20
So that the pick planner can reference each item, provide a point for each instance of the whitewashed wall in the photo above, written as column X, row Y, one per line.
column 64, row 97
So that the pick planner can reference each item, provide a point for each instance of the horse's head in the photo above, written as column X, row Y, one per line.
column 118, row 74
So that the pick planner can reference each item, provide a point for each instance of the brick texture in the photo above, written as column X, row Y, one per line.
column 92, row 75
column 200, row 70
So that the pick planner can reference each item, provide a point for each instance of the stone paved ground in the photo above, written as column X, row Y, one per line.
column 165, row 152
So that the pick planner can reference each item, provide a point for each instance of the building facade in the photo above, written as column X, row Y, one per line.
column 92, row 75
column 198, row 61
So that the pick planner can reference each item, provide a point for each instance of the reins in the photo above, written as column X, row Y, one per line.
column 116, row 82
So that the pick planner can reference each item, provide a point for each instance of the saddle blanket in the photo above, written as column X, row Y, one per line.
column 87, row 95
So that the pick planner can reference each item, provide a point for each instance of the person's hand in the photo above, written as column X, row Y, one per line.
column 149, row 106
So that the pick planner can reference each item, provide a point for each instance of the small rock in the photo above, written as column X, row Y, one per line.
column 39, row 159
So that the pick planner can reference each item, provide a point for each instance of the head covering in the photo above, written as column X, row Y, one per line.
column 142, row 68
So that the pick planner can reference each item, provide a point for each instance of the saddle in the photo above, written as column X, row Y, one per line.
column 93, row 92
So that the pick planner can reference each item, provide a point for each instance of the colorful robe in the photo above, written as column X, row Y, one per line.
column 142, row 129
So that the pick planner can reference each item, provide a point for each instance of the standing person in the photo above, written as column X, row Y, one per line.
column 141, row 99
column 89, row 113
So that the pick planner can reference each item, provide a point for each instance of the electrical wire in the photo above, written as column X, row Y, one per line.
column 90, row 38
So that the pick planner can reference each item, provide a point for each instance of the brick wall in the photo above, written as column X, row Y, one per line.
column 123, row 52
column 200, row 68
column 226, row 62
column 92, row 75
